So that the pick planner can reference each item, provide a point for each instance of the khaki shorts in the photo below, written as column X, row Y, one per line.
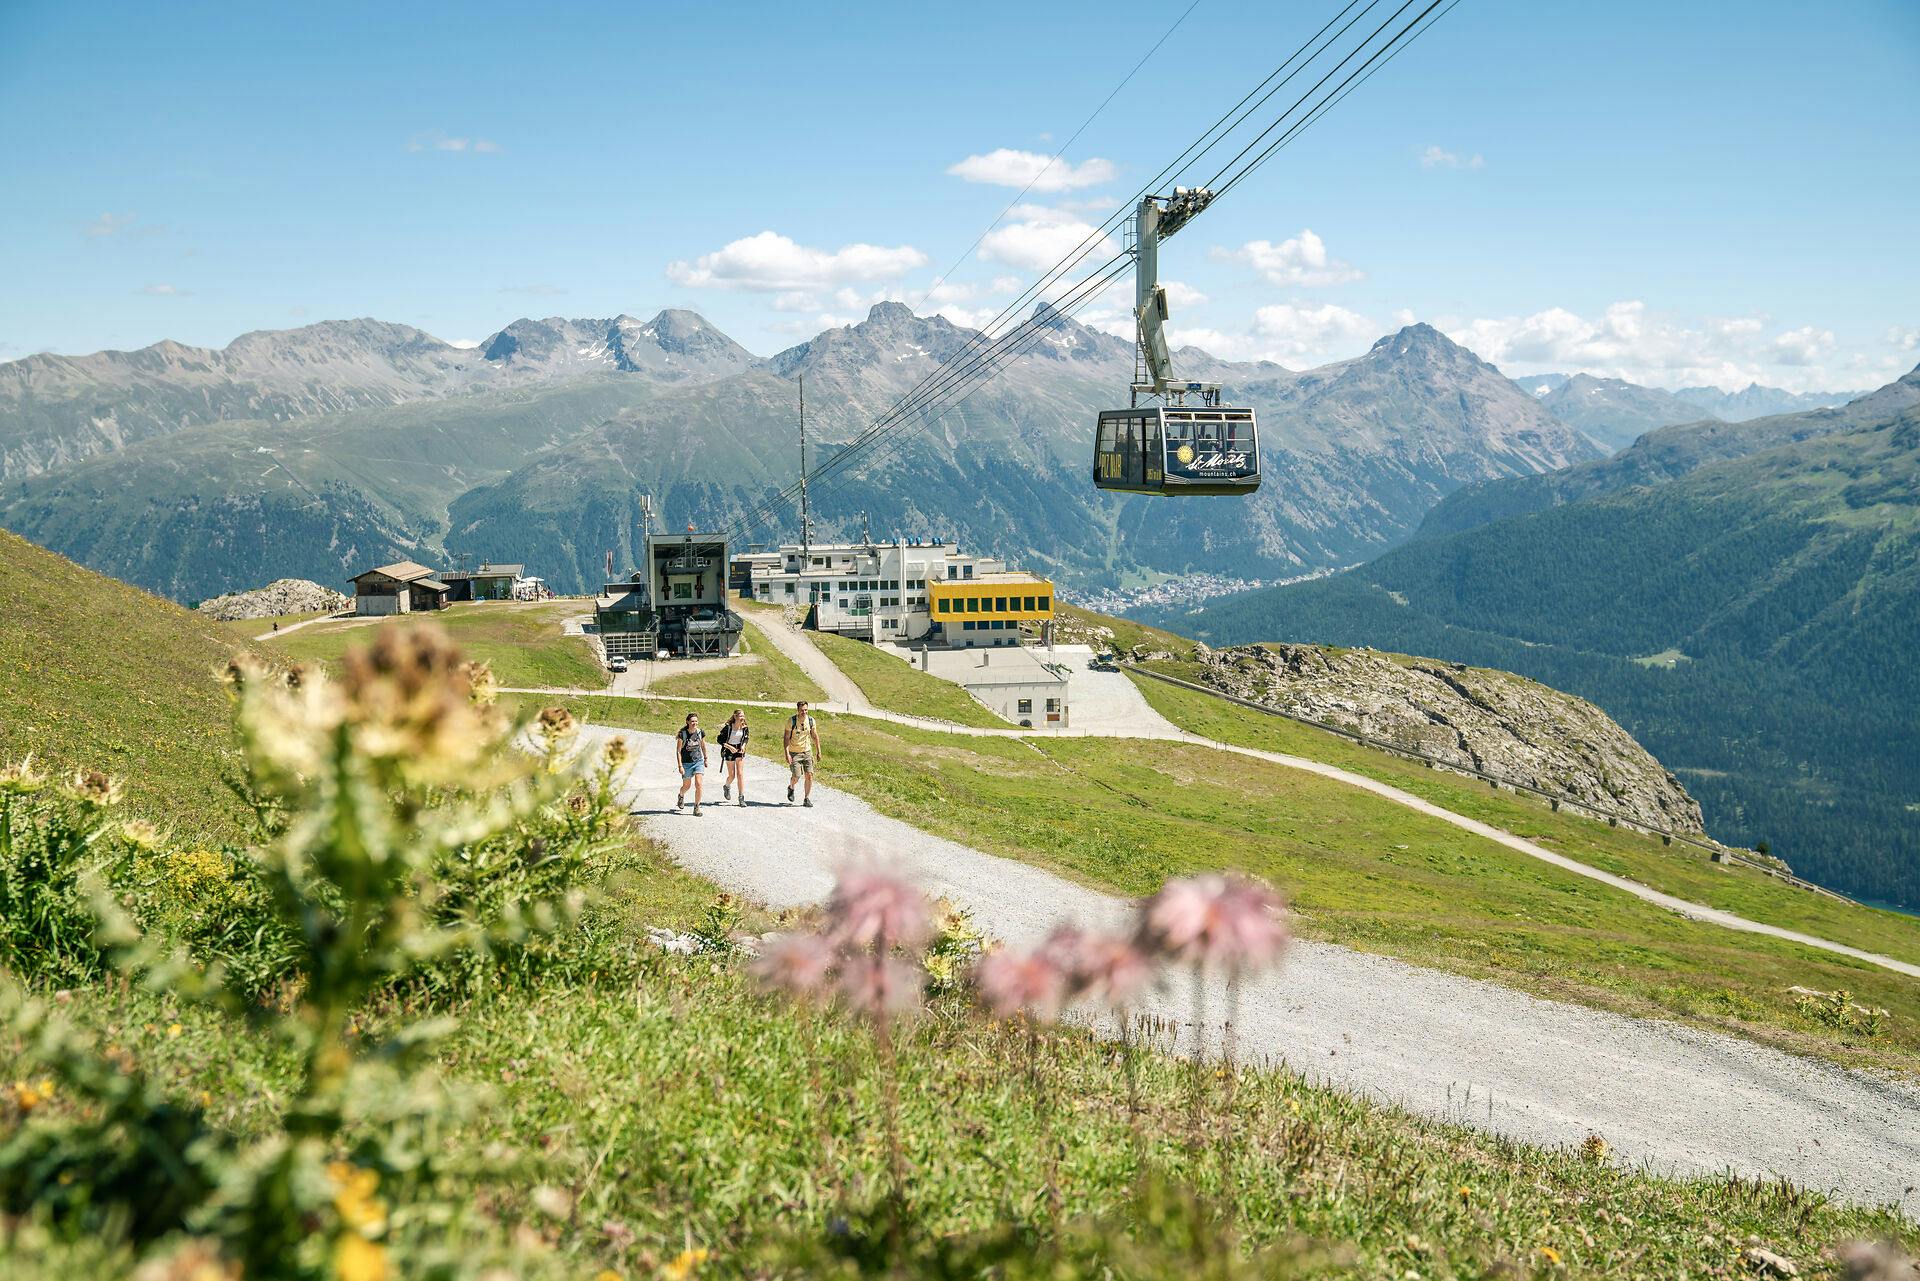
column 802, row 763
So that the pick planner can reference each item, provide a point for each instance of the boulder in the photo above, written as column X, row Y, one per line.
column 1495, row 722
column 283, row 596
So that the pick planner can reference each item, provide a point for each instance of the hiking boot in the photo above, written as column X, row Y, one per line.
column 679, row 803
column 743, row 799
column 808, row 802
column 789, row 795
column 696, row 809
column 726, row 791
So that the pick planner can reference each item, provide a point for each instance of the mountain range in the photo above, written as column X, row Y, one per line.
column 1615, row 412
column 537, row 446
column 1744, row 598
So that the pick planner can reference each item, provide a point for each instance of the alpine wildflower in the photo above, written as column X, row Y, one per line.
column 872, row 909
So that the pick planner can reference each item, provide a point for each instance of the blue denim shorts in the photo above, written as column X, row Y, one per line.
column 689, row 768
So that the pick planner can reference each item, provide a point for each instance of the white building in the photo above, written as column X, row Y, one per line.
column 903, row 591
column 1016, row 684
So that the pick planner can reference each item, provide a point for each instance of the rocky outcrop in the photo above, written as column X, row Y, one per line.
column 1496, row 722
column 285, row 596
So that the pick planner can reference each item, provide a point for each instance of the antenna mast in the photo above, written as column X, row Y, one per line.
column 806, row 512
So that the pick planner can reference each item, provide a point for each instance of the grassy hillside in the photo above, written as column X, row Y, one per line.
column 680, row 1109
column 897, row 686
column 1360, row 870
column 102, row 675
column 525, row 643
column 1783, row 587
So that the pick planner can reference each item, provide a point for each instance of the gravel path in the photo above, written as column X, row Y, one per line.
column 1462, row 1049
column 1124, row 713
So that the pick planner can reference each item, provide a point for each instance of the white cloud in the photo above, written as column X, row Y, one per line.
column 162, row 291
column 1181, row 295
column 1044, row 239
column 1301, row 261
column 1659, row 350
column 771, row 263
column 1441, row 158
column 464, row 344
column 1006, row 167
column 436, row 141
column 108, row 224
column 1292, row 334
column 1803, row 346
column 1903, row 338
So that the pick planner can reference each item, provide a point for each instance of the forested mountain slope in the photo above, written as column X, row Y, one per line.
column 1752, row 622
column 1663, row 455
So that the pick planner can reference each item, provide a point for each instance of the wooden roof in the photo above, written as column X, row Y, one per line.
column 404, row 571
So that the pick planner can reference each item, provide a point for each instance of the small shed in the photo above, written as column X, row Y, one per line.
column 404, row 587
column 489, row 582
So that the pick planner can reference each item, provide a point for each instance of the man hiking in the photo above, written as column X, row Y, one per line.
column 802, row 741
column 690, row 749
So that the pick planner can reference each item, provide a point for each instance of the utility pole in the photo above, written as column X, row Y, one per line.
column 806, row 512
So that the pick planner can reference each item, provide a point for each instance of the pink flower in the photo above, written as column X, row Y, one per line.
column 1215, row 920
column 1035, row 981
column 797, row 963
column 873, row 909
column 881, row 985
column 1109, row 968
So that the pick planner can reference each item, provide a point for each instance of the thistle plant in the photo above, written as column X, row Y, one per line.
column 413, row 834
column 1216, row 923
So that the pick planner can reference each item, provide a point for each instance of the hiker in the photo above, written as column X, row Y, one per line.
column 690, row 748
column 733, row 756
column 802, row 742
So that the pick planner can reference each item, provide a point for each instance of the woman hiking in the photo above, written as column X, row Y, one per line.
column 690, row 748
column 733, row 756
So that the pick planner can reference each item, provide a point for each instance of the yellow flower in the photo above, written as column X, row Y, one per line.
column 28, row 1095
column 685, row 1265
column 606, row 1274
column 353, row 1198
column 1464, row 1192
column 1550, row 1254
column 173, row 1030
column 357, row 1259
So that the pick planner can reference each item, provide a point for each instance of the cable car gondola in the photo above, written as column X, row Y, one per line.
column 1188, row 444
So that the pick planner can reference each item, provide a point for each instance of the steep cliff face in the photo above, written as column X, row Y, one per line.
column 1493, row 721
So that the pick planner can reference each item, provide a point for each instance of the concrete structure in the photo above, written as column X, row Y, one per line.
column 489, row 582
column 886, row 591
column 1015, row 683
column 403, row 587
column 676, row 602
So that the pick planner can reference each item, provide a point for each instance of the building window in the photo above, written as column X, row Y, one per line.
column 953, row 572
column 1000, row 604
column 967, row 572
column 1046, row 603
column 1029, row 604
column 789, row 589
column 1025, row 707
column 967, row 626
column 1053, row 704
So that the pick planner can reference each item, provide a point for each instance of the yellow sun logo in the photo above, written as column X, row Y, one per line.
column 1185, row 455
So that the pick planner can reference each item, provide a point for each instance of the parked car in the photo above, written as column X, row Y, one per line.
column 616, row 664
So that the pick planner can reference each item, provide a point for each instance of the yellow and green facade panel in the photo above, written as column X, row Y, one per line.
column 995, row 598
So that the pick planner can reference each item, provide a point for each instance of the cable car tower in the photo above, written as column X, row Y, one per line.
column 1188, row 444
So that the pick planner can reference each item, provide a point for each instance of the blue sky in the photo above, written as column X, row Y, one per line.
column 1675, row 193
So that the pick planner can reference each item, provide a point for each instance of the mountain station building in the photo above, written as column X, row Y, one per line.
column 906, row 591
column 403, row 587
column 488, row 582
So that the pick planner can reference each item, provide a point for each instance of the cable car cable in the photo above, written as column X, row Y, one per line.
column 969, row 366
